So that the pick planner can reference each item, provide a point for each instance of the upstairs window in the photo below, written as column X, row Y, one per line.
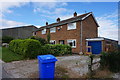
column 52, row 41
column 72, row 43
column 71, row 26
column 44, row 31
column 53, row 30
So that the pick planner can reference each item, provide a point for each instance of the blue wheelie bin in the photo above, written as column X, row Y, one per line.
column 46, row 66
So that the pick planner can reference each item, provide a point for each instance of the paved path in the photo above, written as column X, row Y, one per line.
column 21, row 69
column 3, row 72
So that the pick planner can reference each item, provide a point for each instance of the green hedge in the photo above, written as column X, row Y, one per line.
column 16, row 46
column 57, row 49
column 111, row 61
column 29, row 48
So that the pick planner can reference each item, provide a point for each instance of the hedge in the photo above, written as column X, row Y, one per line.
column 111, row 61
column 16, row 46
column 57, row 49
column 29, row 48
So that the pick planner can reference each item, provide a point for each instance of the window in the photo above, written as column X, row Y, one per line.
column 44, row 31
column 52, row 30
column 34, row 33
column 52, row 41
column 72, row 43
column 71, row 26
column 61, row 41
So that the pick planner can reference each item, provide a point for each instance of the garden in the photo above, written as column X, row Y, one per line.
column 20, row 49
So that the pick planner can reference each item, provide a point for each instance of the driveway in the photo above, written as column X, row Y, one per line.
column 76, row 64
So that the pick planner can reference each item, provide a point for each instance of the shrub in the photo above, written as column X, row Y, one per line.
column 111, row 61
column 57, row 49
column 41, row 40
column 16, row 46
column 29, row 48
column 7, row 39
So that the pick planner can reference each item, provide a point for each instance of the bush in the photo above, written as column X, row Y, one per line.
column 111, row 61
column 7, row 39
column 16, row 46
column 29, row 48
column 57, row 49
column 41, row 40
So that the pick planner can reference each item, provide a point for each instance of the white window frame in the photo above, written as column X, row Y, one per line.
column 68, row 28
column 71, row 40
column 54, row 30
column 44, row 31
column 52, row 41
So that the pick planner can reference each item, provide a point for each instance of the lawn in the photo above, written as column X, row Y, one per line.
column 8, row 56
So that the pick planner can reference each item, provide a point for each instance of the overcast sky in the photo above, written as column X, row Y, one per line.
column 15, row 14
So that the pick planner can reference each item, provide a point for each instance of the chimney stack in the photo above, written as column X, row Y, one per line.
column 46, row 23
column 75, row 14
column 58, row 19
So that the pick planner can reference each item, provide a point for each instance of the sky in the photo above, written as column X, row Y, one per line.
column 15, row 14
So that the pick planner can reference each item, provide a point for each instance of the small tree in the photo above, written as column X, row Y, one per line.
column 41, row 40
column 48, row 37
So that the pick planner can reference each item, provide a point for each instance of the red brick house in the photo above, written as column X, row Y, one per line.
column 80, row 32
column 73, row 31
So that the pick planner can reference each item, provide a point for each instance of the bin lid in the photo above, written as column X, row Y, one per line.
column 46, row 58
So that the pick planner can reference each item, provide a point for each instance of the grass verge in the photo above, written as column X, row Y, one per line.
column 8, row 56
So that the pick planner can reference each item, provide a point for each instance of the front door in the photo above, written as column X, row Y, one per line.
column 96, row 46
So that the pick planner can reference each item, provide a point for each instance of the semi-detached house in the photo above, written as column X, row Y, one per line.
column 73, row 31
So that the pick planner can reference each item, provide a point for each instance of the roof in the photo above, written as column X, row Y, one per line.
column 20, row 27
column 70, row 20
column 100, row 39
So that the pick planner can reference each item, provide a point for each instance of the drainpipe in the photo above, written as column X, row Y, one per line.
column 81, row 38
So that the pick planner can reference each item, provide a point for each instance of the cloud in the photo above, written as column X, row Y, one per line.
column 50, row 8
column 54, row 9
column 9, row 23
column 108, row 26
column 6, row 6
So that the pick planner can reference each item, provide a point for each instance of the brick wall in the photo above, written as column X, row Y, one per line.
column 89, row 31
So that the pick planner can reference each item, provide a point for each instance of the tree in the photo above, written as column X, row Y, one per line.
column 48, row 37
column 41, row 40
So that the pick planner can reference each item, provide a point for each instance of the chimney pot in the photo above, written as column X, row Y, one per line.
column 58, row 19
column 75, row 14
column 46, row 23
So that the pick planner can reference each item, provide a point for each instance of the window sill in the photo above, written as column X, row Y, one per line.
column 52, row 32
column 73, row 47
column 43, row 34
column 71, row 29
